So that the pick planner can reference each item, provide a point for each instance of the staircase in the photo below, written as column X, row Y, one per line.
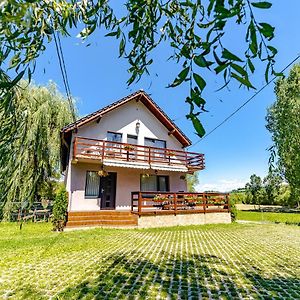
column 108, row 218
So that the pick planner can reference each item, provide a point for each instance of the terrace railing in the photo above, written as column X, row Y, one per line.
column 87, row 148
column 149, row 203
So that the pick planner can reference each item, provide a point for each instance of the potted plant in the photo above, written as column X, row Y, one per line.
column 128, row 147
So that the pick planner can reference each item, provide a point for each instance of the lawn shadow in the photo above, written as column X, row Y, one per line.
column 127, row 277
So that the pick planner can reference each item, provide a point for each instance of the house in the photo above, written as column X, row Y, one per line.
column 126, row 165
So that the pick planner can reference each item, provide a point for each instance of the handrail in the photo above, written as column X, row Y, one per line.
column 150, row 202
column 121, row 143
column 89, row 148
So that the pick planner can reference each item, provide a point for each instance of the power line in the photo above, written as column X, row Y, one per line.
column 64, row 74
column 245, row 103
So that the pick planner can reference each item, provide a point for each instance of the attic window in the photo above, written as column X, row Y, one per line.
column 155, row 143
column 114, row 136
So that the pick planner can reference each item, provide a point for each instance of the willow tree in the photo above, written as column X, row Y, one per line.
column 30, row 142
column 283, row 121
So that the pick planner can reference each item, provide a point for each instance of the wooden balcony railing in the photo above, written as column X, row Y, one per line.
column 86, row 148
column 163, row 203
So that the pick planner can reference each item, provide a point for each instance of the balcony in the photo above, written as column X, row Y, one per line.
column 135, row 156
column 166, row 203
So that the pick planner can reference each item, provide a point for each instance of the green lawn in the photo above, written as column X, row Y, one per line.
column 289, row 218
column 210, row 262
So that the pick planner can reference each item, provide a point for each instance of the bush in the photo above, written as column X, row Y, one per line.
column 233, row 209
column 60, row 206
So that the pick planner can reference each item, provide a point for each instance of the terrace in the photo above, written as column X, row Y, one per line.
column 163, row 203
column 138, row 156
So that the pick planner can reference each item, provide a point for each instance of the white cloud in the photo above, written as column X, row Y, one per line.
column 222, row 185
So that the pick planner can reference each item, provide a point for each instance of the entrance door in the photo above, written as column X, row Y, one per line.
column 108, row 191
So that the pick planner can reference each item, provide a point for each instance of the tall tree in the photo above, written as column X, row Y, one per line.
column 195, row 32
column 283, row 122
column 272, row 183
column 254, row 189
column 30, row 142
column 192, row 181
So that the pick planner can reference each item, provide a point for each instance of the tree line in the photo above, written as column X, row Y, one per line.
column 270, row 190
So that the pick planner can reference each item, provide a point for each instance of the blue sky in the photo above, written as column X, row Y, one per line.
column 233, row 152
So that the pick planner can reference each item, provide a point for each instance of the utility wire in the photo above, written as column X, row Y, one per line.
column 64, row 74
column 245, row 103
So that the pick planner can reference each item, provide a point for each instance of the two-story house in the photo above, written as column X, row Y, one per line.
column 125, row 164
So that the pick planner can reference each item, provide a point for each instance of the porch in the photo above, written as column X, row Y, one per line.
column 159, row 209
column 169, row 203
column 119, row 154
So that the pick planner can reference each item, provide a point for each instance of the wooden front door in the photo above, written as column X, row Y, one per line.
column 108, row 191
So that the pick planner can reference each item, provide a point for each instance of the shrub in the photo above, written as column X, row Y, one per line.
column 233, row 209
column 60, row 206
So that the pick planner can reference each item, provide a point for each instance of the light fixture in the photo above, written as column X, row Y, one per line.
column 137, row 126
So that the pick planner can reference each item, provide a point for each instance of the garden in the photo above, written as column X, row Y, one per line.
column 235, row 261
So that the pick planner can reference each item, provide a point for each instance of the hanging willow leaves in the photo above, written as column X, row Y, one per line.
column 30, row 142
column 194, row 31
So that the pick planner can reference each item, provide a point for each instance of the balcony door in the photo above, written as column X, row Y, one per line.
column 158, row 154
column 108, row 191
column 131, row 149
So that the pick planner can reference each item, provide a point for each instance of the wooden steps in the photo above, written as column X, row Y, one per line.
column 106, row 218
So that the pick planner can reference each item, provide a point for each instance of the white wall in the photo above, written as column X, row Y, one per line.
column 128, row 180
column 123, row 119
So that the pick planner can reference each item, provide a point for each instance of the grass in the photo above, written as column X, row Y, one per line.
column 210, row 262
column 288, row 218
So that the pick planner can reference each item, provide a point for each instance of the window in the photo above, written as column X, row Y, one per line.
column 155, row 143
column 131, row 139
column 92, row 184
column 114, row 136
column 157, row 154
column 153, row 183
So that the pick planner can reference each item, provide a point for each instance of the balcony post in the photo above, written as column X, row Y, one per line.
column 175, row 203
column 103, row 150
column 149, row 155
column 74, row 148
column 140, row 203
column 204, row 202
column 228, row 203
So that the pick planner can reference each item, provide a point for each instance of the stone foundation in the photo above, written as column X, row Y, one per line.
column 183, row 220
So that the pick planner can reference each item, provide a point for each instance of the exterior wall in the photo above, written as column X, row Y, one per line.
column 128, row 180
column 123, row 119
column 183, row 220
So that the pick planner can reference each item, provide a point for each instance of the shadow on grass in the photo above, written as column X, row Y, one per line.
column 130, row 278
